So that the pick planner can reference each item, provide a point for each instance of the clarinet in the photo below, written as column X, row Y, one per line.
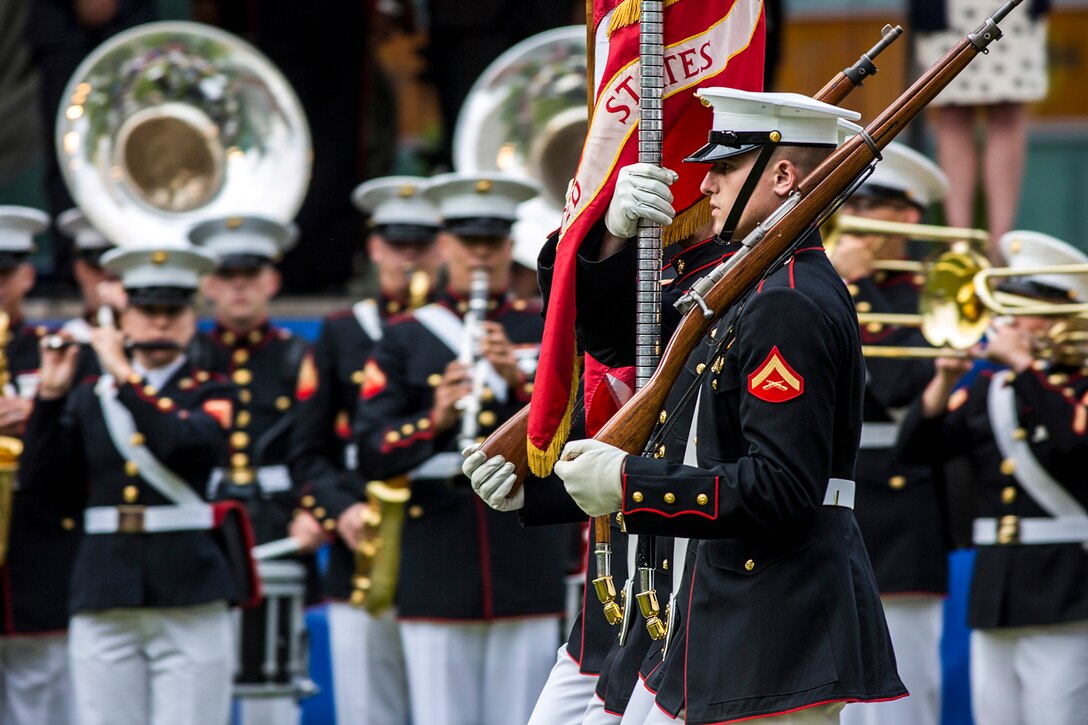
column 470, row 357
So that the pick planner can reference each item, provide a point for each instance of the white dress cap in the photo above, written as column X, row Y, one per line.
column 479, row 204
column 536, row 220
column 75, row 225
column 904, row 173
column 744, row 120
column 244, row 236
column 18, row 225
column 164, row 266
column 396, row 200
column 1024, row 249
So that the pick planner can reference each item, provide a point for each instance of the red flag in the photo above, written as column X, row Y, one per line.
column 707, row 43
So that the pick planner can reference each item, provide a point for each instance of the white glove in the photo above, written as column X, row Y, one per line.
column 592, row 472
column 492, row 478
column 642, row 192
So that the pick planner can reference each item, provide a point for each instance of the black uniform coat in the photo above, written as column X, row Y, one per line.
column 898, row 506
column 45, row 530
column 779, row 604
column 1016, row 585
column 460, row 559
column 323, row 457
column 70, row 457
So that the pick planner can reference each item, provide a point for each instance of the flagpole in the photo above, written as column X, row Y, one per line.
column 648, row 281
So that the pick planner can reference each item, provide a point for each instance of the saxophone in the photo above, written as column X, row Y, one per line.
column 10, row 448
column 377, row 554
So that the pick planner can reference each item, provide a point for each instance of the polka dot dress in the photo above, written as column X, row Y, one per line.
column 1014, row 71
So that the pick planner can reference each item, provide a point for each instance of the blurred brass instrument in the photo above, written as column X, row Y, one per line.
column 168, row 124
column 10, row 448
column 377, row 554
column 840, row 224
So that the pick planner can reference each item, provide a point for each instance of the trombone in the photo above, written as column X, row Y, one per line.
column 841, row 224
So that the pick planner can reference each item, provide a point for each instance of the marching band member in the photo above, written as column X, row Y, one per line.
column 44, row 531
column 777, row 385
column 264, row 362
column 1024, row 430
column 898, row 507
column 478, row 596
column 369, row 682
column 151, row 637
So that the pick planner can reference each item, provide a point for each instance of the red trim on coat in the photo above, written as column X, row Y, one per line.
column 846, row 700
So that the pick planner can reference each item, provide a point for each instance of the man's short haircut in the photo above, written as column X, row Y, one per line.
column 805, row 158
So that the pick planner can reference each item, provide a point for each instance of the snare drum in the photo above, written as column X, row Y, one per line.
column 273, row 646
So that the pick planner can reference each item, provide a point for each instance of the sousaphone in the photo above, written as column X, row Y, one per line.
column 168, row 124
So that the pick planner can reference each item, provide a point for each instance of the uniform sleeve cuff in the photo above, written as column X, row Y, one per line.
column 649, row 489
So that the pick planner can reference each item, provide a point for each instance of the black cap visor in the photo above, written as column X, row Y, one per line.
column 10, row 260
column 166, row 296
column 479, row 227
column 406, row 233
column 242, row 263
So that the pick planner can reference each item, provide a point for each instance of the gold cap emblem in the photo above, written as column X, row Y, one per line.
column 483, row 186
column 159, row 257
column 406, row 190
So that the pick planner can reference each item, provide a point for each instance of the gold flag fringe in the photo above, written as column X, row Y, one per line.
column 627, row 13
column 541, row 461
column 688, row 222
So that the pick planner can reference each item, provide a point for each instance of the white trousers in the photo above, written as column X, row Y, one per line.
column 565, row 695
column 642, row 706
column 268, row 711
column 479, row 673
column 368, row 679
column 153, row 666
column 915, row 623
column 35, row 684
column 595, row 714
column 1030, row 675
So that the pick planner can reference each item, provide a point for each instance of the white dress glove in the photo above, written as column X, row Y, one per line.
column 642, row 192
column 592, row 472
column 492, row 478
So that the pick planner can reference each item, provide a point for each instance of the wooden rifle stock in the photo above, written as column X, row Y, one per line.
column 631, row 427
column 850, row 78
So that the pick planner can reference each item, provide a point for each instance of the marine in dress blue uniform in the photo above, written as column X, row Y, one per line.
column 1025, row 430
column 150, row 636
column 899, row 507
column 478, row 597
column 369, row 682
column 778, row 610
column 44, row 531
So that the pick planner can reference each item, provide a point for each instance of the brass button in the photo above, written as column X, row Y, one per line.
column 329, row 524
column 661, row 418
column 238, row 439
column 528, row 388
column 700, row 368
column 242, row 476
column 897, row 482
column 853, row 289
column 242, row 419
column 229, row 338
column 255, row 336
column 749, row 565
column 665, row 564
column 245, row 397
column 283, row 402
column 1057, row 379
column 137, row 439
column 165, row 404
column 186, row 384
column 308, row 501
column 423, row 423
column 1008, row 466
column 149, row 390
column 357, row 377
column 487, row 394
column 131, row 469
column 434, row 380
column 702, row 499
column 1010, row 376
column 670, row 498
column 319, row 512
column 864, row 306
column 415, row 511
column 392, row 436
column 1020, row 434
column 407, row 429
column 874, row 327
column 392, row 307
column 240, row 357
column 203, row 376
column 1008, row 495
column 637, row 497
column 130, row 493
column 242, row 376
column 67, row 523
column 239, row 460
column 487, row 418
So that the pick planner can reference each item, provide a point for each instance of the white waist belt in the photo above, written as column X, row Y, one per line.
column 878, row 435
column 147, row 519
column 840, row 492
column 1015, row 530
column 440, row 465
